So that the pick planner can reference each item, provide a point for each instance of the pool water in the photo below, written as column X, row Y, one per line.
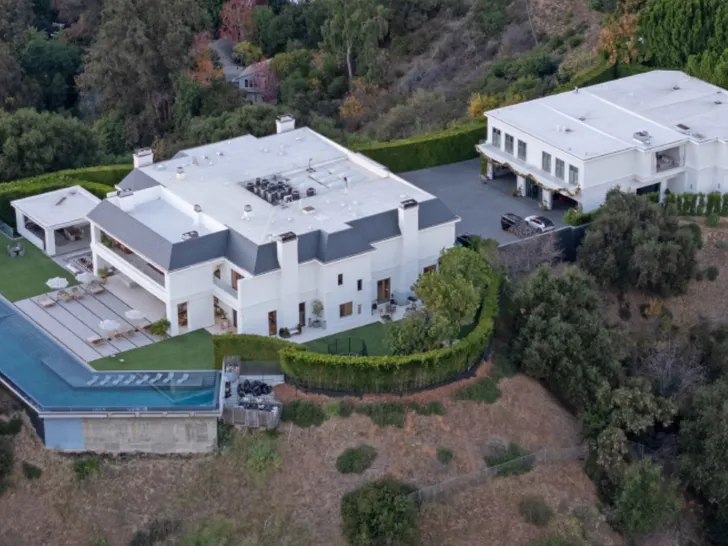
column 46, row 373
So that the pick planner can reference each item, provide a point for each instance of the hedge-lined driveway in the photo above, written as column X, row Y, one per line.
column 478, row 205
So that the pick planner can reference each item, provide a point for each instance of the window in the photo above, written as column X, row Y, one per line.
column 341, row 279
column 359, row 285
column 559, row 169
column 234, row 278
column 346, row 309
column 509, row 144
column 496, row 137
column 521, row 150
column 546, row 162
column 246, row 83
column 429, row 268
column 358, row 309
column 573, row 175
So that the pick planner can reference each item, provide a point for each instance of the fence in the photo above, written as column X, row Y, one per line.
column 8, row 231
column 520, row 465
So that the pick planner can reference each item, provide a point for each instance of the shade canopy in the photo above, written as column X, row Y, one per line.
column 86, row 277
column 57, row 283
column 134, row 314
column 109, row 325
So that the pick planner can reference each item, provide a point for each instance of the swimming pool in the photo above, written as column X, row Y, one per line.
column 53, row 380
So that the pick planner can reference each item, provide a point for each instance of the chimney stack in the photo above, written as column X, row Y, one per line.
column 143, row 157
column 285, row 123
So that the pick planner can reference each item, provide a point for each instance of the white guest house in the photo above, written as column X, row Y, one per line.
column 662, row 130
column 258, row 229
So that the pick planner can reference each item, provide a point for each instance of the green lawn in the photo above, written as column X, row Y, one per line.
column 26, row 276
column 371, row 334
column 191, row 351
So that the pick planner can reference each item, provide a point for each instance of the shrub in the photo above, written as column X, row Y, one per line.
column 11, row 427
column 7, row 461
column 711, row 273
column 444, row 455
column 225, row 435
column 431, row 408
column 262, row 456
column 355, row 460
column 384, row 414
column 160, row 327
column 332, row 409
column 574, row 217
column 346, row 408
column 31, row 471
column 86, row 467
column 428, row 150
column 216, row 532
column 156, row 532
column 535, row 511
column 518, row 458
column 712, row 220
column 575, row 41
column 624, row 312
column 699, row 275
column 696, row 233
column 380, row 374
column 303, row 413
column 484, row 391
column 381, row 512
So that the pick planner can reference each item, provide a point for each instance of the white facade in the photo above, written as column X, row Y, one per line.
column 368, row 240
column 651, row 132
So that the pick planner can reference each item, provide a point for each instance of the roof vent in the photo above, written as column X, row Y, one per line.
column 582, row 118
column 718, row 102
column 682, row 127
column 190, row 235
column 408, row 204
column 567, row 129
column 643, row 137
column 219, row 153
column 308, row 209
column 675, row 87
column 247, row 212
column 180, row 172
column 198, row 208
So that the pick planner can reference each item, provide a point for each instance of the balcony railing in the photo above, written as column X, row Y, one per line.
column 226, row 287
column 666, row 163
column 140, row 265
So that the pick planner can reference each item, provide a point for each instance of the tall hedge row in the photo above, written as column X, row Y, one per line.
column 392, row 374
column 249, row 347
column 97, row 180
column 602, row 73
column 428, row 150
column 699, row 204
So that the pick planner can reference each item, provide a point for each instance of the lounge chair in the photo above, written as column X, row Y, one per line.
column 117, row 380
column 46, row 301
column 95, row 288
column 155, row 378
column 143, row 324
column 184, row 378
column 95, row 340
column 144, row 379
column 76, row 293
column 129, row 381
column 93, row 380
column 65, row 296
column 105, row 380
column 169, row 377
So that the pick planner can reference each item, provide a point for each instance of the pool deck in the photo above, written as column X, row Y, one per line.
column 72, row 323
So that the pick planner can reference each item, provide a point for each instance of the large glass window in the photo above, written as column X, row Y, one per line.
column 509, row 143
column 496, row 137
column 546, row 162
column 559, row 169
column 521, row 150
column 573, row 175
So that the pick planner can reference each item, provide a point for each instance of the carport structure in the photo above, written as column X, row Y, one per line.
column 56, row 221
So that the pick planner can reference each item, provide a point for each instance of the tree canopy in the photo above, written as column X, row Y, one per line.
column 635, row 243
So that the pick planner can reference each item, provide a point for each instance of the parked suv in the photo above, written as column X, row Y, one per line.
column 463, row 240
column 540, row 223
column 510, row 220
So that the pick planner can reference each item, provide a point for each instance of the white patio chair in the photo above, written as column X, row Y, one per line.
column 184, row 378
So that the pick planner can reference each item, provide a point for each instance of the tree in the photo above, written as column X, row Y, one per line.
column 619, row 40
column 16, row 91
column 353, row 31
column 418, row 332
column 675, row 370
column 264, row 78
column 634, row 242
column 704, row 442
column 246, row 53
column 139, row 49
column 646, row 500
column 236, row 19
column 463, row 262
column 491, row 16
column 15, row 17
column 33, row 143
column 455, row 299
column 380, row 512
column 203, row 70
column 711, row 66
column 561, row 336
column 673, row 30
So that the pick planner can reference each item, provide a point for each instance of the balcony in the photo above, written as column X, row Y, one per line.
column 139, row 264
column 668, row 160
column 229, row 290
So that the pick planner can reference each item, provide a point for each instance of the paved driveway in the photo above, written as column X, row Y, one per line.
column 479, row 205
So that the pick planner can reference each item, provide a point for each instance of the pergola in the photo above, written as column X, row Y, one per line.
column 56, row 221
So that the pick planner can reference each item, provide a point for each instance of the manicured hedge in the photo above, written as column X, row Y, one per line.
column 574, row 217
column 97, row 180
column 428, row 150
column 249, row 347
column 381, row 374
column 602, row 73
column 699, row 204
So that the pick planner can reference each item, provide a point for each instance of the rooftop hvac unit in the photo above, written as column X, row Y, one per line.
column 190, row 235
column 310, row 192
column 642, row 137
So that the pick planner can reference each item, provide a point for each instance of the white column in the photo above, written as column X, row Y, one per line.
column 547, row 198
column 172, row 318
column 19, row 220
column 489, row 171
column 289, row 296
column 50, row 242
column 521, row 185
column 409, row 226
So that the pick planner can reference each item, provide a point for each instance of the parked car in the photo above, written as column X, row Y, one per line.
column 510, row 220
column 540, row 223
column 463, row 240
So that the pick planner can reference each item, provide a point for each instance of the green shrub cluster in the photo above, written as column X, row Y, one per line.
column 483, row 390
column 431, row 408
column 535, row 511
column 303, row 413
column 338, row 408
column 382, row 374
column 249, row 347
column 429, row 150
column 444, row 455
column 384, row 414
column 30, row 471
column 262, row 456
column 515, row 455
column 97, row 180
column 87, row 467
column 7, row 461
column 11, row 427
column 355, row 460
column 712, row 204
column 574, row 217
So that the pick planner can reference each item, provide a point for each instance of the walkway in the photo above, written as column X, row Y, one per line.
column 72, row 323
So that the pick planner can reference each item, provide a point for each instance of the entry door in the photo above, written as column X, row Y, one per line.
column 302, row 313
column 383, row 290
column 272, row 323
column 235, row 318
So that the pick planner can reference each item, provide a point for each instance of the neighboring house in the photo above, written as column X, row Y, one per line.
column 257, row 82
column 647, row 133
column 259, row 229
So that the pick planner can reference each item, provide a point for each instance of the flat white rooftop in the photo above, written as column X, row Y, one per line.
column 602, row 119
column 166, row 220
column 215, row 177
column 59, row 208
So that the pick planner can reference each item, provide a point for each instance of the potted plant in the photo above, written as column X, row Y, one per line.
column 104, row 273
column 317, row 308
column 516, row 192
column 284, row 333
column 160, row 327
